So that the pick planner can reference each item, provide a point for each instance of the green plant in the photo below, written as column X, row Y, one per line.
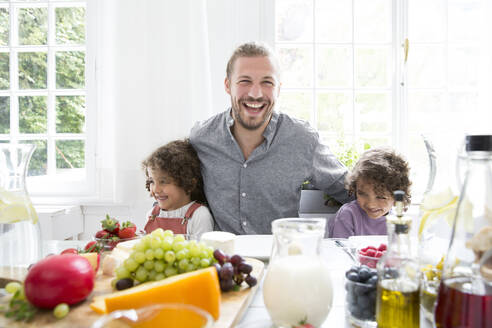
column 348, row 155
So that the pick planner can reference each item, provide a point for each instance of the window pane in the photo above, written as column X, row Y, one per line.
column 294, row 20
column 70, row 154
column 374, row 112
column 70, row 114
column 32, row 114
column 333, row 21
column 70, row 68
column 334, row 66
column 426, row 67
column 4, row 27
column 33, row 26
column 427, row 20
column 32, row 70
column 4, row 70
column 296, row 65
column 297, row 104
column 421, row 104
column 39, row 159
column 335, row 112
column 70, row 25
column 465, row 20
column 372, row 67
column 463, row 66
column 372, row 20
column 374, row 142
column 464, row 102
column 5, row 115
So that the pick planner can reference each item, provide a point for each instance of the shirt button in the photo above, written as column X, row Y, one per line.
column 245, row 165
column 243, row 194
column 245, row 223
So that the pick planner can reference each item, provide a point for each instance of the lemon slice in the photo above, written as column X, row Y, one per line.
column 15, row 208
column 447, row 212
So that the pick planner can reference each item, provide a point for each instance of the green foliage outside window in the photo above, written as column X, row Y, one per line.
column 69, row 74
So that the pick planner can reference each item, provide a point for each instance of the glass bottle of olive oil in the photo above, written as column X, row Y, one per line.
column 397, row 303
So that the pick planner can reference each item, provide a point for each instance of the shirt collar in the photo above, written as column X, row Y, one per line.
column 269, row 130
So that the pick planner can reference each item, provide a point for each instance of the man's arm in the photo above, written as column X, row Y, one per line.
column 328, row 174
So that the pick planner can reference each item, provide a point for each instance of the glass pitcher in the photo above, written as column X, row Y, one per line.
column 20, row 235
column 465, row 292
column 297, row 288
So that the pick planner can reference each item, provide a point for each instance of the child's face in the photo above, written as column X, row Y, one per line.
column 375, row 205
column 168, row 195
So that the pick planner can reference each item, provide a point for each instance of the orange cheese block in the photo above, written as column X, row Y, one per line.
column 199, row 288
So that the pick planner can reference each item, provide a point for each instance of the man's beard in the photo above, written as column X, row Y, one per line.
column 236, row 108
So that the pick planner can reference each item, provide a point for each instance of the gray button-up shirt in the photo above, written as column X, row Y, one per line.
column 245, row 196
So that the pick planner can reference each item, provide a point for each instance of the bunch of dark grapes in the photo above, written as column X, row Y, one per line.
column 233, row 271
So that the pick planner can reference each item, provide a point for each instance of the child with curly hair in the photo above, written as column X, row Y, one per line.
column 377, row 174
column 175, row 181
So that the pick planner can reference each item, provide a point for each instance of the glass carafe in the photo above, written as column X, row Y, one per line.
column 297, row 288
column 20, row 236
column 465, row 292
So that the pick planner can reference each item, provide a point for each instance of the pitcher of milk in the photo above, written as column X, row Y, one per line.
column 20, row 240
column 297, row 288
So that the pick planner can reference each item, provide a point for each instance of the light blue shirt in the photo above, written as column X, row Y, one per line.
column 245, row 196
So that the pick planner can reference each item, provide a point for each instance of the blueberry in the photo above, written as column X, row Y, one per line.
column 363, row 301
column 356, row 311
column 367, row 314
column 352, row 276
column 354, row 268
column 373, row 281
column 364, row 274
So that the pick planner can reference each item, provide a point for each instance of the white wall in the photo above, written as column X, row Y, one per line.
column 123, row 128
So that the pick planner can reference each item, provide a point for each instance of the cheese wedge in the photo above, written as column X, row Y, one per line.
column 199, row 288
column 220, row 239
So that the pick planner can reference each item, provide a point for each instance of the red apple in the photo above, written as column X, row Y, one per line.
column 56, row 279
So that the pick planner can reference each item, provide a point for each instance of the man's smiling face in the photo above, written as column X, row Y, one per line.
column 254, row 88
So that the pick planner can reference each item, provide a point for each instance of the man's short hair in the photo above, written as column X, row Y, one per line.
column 252, row 49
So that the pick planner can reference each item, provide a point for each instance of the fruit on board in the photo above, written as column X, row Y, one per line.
column 232, row 271
column 127, row 230
column 56, row 279
column 70, row 251
column 111, row 225
column 199, row 288
column 94, row 259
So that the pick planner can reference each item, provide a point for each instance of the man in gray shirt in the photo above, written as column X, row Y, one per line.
column 255, row 159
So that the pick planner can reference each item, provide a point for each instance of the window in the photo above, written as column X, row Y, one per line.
column 43, row 89
column 344, row 70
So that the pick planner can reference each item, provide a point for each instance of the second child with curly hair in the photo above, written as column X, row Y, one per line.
column 174, row 180
column 377, row 174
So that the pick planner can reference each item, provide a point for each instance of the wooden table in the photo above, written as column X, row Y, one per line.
column 256, row 315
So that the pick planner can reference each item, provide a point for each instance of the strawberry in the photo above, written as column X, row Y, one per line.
column 382, row 247
column 127, row 230
column 371, row 252
column 102, row 234
column 111, row 225
column 91, row 247
column 70, row 251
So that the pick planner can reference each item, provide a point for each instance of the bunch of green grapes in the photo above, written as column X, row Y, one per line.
column 162, row 254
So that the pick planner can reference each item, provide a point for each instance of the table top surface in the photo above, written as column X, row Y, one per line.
column 257, row 316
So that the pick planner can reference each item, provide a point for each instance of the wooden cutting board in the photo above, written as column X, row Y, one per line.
column 232, row 308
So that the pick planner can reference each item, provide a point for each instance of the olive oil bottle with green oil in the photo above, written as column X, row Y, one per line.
column 398, row 304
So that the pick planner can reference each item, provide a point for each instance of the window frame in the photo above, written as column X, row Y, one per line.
column 51, row 184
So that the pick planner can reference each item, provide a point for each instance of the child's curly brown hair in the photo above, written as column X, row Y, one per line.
column 180, row 162
column 386, row 169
